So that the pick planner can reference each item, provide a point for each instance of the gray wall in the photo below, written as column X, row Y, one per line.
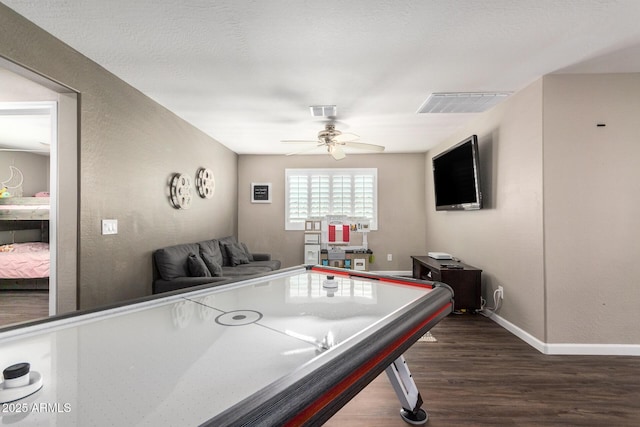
column 560, row 231
column 129, row 147
column 401, row 206
column 505, row 239
column 592, row 207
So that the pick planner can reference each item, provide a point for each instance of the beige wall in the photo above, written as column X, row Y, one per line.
column 34, row 168
column 560, row 229
column 592, row 207
column 401, row 206
column 505, row 238
column 129, row 147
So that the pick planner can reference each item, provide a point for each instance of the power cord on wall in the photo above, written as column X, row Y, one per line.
column 489, row 311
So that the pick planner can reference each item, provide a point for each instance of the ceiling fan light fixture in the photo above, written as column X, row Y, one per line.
column 323, row 110
column 334, row 141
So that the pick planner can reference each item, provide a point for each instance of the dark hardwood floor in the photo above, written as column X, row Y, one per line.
column 21, row 306
column 479, row 374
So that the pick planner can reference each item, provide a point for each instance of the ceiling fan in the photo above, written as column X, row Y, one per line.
column 334, row 141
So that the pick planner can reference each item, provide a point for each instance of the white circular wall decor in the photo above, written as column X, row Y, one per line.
column 205, row 183
column 181, row 191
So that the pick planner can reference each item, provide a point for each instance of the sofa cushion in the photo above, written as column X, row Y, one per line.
column 197, row 267
column 171, row 261
column 212, row 264
column 261, row 257
column 235, row 254
column 244, row 270
column 212, row 247
column 272, row 264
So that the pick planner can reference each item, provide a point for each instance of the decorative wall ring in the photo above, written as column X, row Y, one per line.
column 205, row 183
column 181, row 191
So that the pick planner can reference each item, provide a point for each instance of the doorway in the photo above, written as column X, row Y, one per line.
column 38, row 120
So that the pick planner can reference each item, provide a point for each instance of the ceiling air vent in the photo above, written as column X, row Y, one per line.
column 323, row 110
column 461, row 102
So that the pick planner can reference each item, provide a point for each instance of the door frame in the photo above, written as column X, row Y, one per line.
column 63, row 187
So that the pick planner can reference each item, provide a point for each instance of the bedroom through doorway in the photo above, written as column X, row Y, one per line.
column 38, row 196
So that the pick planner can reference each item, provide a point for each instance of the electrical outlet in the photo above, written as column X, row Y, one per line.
column 389, row 257
column 501, row 292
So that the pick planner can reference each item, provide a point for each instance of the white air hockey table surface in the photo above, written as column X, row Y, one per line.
column 276, row 349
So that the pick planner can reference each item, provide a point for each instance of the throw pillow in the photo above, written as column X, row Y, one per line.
column 246, row 251
column 226, row 241
column 212, row 247
column 236, row 254
column 197, row 267
column 212, row 265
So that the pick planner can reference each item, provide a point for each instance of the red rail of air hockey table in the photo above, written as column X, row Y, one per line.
column 383, row 354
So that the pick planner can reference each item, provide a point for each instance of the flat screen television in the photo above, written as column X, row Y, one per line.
column 456, row 177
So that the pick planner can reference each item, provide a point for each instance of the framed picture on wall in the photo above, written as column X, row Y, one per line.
column 260, row 192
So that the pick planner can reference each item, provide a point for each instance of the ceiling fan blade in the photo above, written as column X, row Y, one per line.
column 305, row 150
column 336, row 152
column 363, row 146
column 346, row 137
column 299, row 141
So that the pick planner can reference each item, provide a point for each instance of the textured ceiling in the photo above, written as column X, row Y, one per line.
column 245, row 72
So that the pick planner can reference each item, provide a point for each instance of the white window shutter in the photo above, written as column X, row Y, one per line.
column 320, row 192
column 298, row 198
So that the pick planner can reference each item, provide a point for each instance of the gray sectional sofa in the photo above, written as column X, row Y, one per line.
column 209, row 261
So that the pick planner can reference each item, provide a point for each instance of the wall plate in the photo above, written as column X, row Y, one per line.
column 109, row 226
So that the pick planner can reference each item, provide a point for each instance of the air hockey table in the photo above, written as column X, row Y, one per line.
column 283, row 349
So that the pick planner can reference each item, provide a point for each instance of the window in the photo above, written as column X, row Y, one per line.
column 320, row 192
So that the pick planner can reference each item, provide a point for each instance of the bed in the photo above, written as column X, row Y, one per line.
column 25, row 265
column 24, row 208
column 24, row 260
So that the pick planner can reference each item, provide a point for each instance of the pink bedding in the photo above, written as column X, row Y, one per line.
column 25, row 261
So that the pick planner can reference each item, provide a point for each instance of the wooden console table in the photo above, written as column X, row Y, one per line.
column 464, row 281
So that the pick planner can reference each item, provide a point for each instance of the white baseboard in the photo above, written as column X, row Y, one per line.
column 568, row 349
column 546, row 348
column 520, row 333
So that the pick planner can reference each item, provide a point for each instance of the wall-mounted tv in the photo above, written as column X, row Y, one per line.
column 456, row 177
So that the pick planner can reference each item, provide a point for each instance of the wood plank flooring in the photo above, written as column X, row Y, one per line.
column 21, row 306
column 479, row 374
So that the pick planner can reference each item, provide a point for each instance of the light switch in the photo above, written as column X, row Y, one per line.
column 109, row 226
